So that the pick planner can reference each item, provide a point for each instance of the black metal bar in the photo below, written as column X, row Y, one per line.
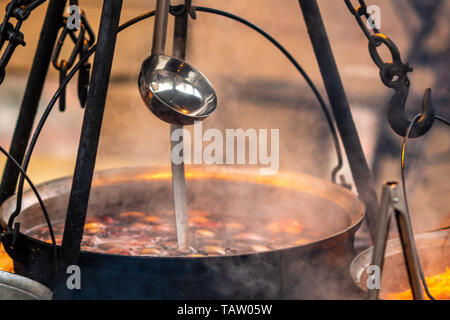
column 32, row 96
column 90, row 134
column 341, row 110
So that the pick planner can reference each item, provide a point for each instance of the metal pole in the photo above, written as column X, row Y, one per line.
column 412, row 260
column 90, row 134
column 32, row 95
column 160, row 26
column 178, row 173
column 410, row 254
column 383, row 223
column 341, row 110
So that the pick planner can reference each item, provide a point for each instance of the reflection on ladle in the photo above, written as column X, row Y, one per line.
column 172, row 89
column 167, row 90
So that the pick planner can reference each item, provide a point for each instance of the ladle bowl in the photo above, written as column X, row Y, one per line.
column 175, row 91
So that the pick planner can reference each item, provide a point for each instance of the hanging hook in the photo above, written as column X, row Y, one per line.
column 398, row 120
column 394, row 74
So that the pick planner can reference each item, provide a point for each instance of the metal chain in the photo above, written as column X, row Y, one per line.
column 20, row 10
column 394, row 75
column 81, row 44
column 359, row 12
column 11, row 33
column 388, row 70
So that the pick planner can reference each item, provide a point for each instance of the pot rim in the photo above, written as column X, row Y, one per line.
column 338, row 195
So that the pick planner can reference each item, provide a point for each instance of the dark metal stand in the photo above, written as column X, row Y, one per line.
column 393, row 205
column 90, row 134
column 341, row 110
column 86, row 158
column 32, row 95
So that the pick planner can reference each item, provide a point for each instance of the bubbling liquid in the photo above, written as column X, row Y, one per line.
column 136, row 233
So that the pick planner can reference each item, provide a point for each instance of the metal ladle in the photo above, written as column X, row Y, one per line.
column 172, row 89
column 176, row 93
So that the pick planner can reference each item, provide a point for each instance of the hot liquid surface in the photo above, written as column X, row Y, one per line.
column 137, row 233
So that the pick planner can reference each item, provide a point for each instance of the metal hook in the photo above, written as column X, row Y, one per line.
column 397, row 118
column 394, row 74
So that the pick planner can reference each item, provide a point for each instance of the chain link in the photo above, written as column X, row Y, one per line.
column 394, row 75
column 20, row 10
column 82, row 41
column 11, row 33
column 388, row 69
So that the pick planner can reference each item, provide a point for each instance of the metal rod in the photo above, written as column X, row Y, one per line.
column 160, row 27
column 179, row 196
column 32, row 95
column 90, row 134
column 392, row 201
column 409, row 250
column 383, row 223
column 341, row 110
column 178, row 176
column 411, row 259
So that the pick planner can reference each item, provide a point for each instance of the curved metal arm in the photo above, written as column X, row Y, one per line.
column 303, row 73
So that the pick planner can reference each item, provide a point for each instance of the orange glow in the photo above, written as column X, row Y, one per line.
column 213, row 249
column 201, row 221
column 439, row 286
column 180, row 67
column 6, row 263
column 381, row 35
column 289, row 180
column 198, row 213
column 134, row 214
column 151, row 251
column 205, row 233
column 259, row 248
column 285, row 226
column 152, row 219
column 301, row 242
column 94, row 227
column 198, row 220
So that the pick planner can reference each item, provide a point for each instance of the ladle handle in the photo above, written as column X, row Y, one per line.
column 160, row 27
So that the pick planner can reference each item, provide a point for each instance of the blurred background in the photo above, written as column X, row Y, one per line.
column 257, row 87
